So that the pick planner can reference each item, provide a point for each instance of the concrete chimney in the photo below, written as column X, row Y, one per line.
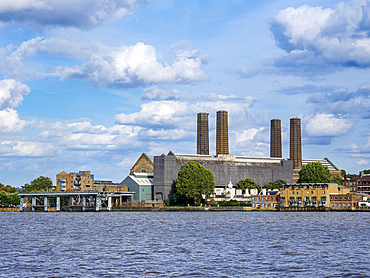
column 275, row 138
column 295, row 143
column 202, row 134
column 222, row 135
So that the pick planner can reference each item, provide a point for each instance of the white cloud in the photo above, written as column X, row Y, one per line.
column 362, row 162
column 83, row 14
column 326, row 125
column 118, row 67
column 27, row 149
column 134, row 66
column 11, row 93
column 177, row 114
column 315, row 36
column 10, row 122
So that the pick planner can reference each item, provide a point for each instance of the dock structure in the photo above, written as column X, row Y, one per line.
column 77, row 200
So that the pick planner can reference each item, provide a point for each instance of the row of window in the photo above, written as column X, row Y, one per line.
column 340, row 205
column 308, row 192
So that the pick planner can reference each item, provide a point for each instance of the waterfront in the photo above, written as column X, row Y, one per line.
column 185, row 244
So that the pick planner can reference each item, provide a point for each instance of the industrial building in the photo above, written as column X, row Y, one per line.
column 227, row 167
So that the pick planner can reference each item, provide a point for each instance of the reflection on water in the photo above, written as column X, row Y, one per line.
column 184, row 244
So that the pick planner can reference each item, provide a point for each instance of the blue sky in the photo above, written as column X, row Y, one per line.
column 91, row 84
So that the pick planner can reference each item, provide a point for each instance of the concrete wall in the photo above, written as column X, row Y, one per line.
column 166, row 169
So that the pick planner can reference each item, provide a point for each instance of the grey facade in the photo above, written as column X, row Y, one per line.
column 224, row 168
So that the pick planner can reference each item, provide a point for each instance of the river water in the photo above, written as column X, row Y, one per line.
column 185, row 244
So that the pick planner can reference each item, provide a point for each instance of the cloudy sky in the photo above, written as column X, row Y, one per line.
column 91, row 84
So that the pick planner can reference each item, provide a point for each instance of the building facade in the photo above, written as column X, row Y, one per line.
column 223, row 167
column 144, row 164
column 83, row 180
column 266, row 200
column 310, row 195
column 141, row 184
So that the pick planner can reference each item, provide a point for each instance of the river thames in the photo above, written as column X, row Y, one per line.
column 185, row 244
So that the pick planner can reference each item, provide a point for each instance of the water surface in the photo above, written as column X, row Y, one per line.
column 184, row 244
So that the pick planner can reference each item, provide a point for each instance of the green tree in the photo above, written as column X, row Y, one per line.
column 4, row 198
column 193, row 181
column 337, row 180
column 314, row 172
column 7, row 188
column 247, row 184
column 343, row 172
column 278, row 184
column 39, row 184
column 14, row 199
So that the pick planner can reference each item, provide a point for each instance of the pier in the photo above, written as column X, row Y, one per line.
column 77, row 200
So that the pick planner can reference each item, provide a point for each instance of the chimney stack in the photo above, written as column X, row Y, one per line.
column 202, row 134
column 222, row 137
column 295, row 143
column 275, row 138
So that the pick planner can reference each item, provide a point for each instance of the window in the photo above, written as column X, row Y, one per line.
column 293, row 192
column 143, row 171
column 349, row 198
column 308, row 192
column 335, row 198
column 340, row 198
column 336, row 205
column 311, row 192
column 344, row 198
column 349, row 205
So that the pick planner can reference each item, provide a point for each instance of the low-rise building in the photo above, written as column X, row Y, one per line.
column 83, row 180
column 108, row 186
column 266, row 199
column 363, row 185
column 141, row 184
column 230, row 192
column 309, row 195
column 345, row 201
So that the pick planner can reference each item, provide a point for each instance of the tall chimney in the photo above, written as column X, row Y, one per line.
column 295, row 143
column 222, row 137
column 202, row 134
column 275, row 138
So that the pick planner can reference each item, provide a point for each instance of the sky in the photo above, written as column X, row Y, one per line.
column 92, row 84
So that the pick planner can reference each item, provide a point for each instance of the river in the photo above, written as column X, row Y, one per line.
column 185, row 244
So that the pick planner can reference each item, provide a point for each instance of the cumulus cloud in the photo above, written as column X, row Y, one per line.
column 10, row 122
column 318, row 36
column 105, row 66
column 181, row 113
column 11, row 95
column 134, row 66
column 250, row 142
column 82, row 14
column 27, row 149
column 326, row 125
